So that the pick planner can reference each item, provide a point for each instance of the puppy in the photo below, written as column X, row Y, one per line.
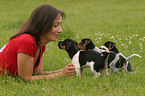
column 116, row 61
column 81, row 59
column 112, row 47
column 87, row 44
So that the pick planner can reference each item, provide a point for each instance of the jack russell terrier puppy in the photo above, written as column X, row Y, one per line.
column 116, row 61
column 81, row 59
column 112, row 47
column 87, row 44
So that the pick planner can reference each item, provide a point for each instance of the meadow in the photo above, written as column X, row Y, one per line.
column 121, row 21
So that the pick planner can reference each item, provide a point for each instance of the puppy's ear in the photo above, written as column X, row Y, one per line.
column 111, row 46
column 68, row 45
column 87, row 42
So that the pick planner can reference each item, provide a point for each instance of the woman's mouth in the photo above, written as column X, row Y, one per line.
column 56, row 35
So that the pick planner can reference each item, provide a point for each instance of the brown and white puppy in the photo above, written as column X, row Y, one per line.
column 80, row 59
column 116, row 61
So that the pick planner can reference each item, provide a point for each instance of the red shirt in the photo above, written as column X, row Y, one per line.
column 24, row 43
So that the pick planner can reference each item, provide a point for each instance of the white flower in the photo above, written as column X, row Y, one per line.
column 119, row 38
column 129, row 41
column 141, row 48
column 112, row 37
column 105, row 35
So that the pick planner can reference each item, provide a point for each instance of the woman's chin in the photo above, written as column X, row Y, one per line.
column 54, row 40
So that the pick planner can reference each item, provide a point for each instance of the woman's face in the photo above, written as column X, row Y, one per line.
column 56, row 30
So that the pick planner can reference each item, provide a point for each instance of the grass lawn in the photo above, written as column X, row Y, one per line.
column 121, row 21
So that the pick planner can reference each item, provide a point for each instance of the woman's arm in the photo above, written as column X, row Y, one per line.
column 25, row 69
column 25, row 66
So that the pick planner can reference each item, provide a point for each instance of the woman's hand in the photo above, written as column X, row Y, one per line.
column 68, row 70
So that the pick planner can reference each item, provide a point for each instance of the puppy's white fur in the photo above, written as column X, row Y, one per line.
column 75, row 62
column 101, row 50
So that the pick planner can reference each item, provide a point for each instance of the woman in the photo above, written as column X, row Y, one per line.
column 23, row 55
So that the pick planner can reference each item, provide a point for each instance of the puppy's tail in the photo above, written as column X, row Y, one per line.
column 106, row 49
column 128, row 58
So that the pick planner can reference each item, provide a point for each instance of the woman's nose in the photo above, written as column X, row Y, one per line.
column 59, row 29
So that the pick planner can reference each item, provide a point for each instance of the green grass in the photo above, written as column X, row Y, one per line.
column 121, row 21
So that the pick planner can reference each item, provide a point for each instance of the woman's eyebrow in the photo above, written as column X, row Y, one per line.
column 59, row 22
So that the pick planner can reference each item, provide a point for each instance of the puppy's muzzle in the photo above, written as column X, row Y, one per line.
column 61, row 45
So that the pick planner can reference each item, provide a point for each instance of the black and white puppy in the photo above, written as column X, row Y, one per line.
column 116, row 61
column 81, row 59
column 112, row 47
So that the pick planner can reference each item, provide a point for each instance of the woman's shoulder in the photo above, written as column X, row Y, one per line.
column 24, row 39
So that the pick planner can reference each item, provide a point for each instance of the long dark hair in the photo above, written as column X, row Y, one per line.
column 40, row 22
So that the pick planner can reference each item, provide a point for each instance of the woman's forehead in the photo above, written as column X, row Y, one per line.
column 58, row 18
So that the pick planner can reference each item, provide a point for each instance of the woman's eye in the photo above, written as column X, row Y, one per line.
column 55, row 25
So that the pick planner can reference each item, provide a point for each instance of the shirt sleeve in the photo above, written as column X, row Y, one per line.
column 28, row 46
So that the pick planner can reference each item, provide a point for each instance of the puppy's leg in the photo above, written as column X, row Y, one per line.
column 97, row 74
column 77, row 67
column 82, row 70
column 106, row 65
column 78, row 71
column 107, row 71
column 116, row 70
